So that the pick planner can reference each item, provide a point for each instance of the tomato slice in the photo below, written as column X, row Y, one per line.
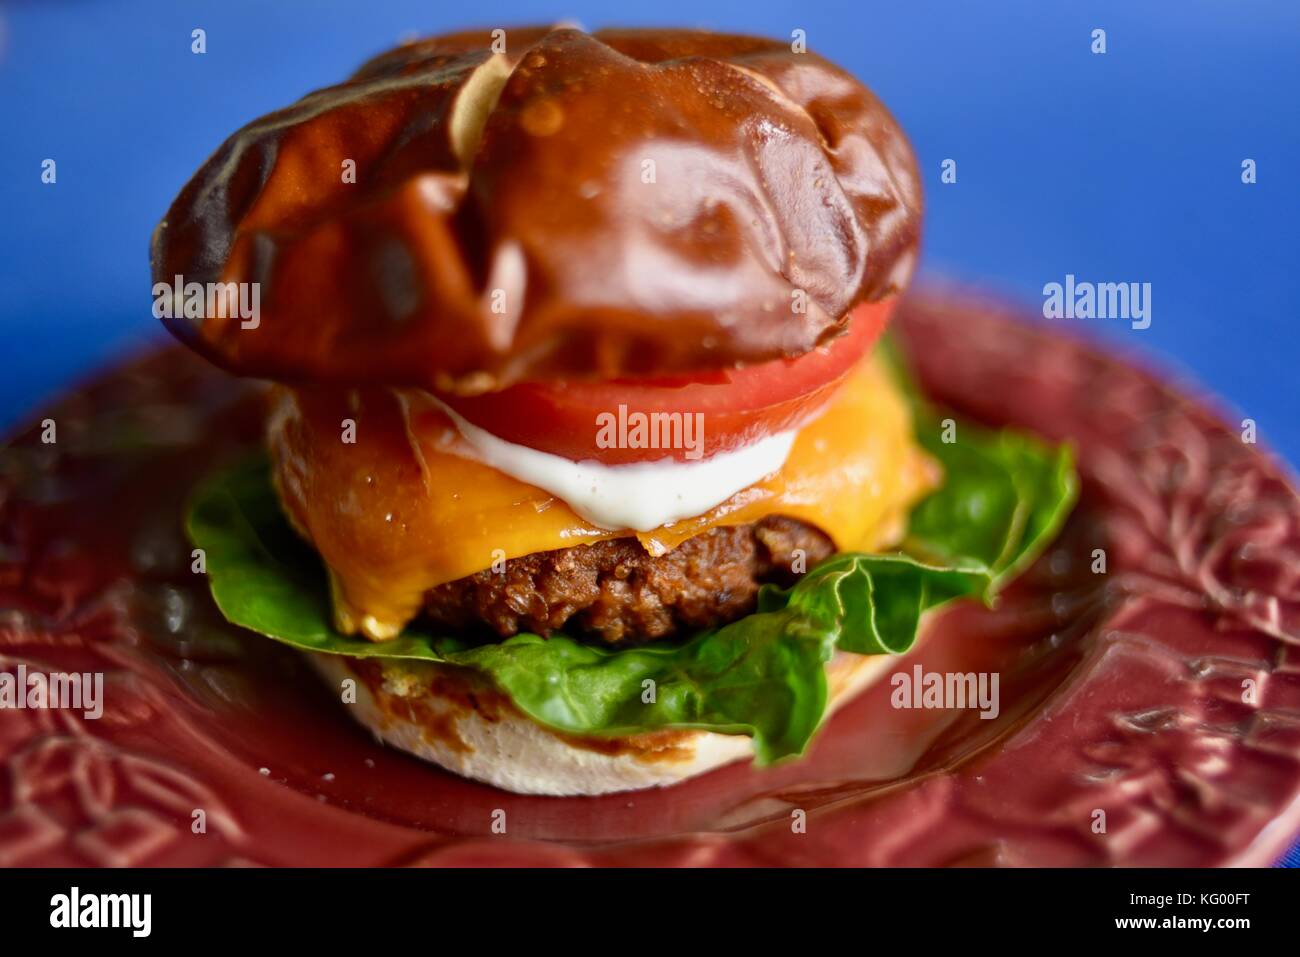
column 613, row 421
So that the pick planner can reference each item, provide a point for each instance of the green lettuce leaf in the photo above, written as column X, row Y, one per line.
column 1005, row 496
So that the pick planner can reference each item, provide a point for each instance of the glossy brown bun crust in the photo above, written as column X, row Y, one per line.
column 582, row 205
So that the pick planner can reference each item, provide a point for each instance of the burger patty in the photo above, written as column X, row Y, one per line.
column 618, row 593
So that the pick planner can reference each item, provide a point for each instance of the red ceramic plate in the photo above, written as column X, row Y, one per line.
column 1123, row 693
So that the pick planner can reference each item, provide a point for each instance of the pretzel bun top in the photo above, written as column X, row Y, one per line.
column 474, row 210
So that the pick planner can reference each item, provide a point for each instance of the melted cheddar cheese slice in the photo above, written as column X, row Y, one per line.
column 405, row 506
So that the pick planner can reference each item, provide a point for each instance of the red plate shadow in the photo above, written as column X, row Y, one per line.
column 1163, row 694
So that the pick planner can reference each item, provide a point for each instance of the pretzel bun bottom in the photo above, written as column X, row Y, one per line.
column 456, row 720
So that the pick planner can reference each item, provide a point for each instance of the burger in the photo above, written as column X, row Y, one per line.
column 587, row 466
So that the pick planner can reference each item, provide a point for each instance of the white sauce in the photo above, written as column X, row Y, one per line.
column 640, row 496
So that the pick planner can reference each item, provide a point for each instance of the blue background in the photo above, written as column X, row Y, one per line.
column 1117, row 167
